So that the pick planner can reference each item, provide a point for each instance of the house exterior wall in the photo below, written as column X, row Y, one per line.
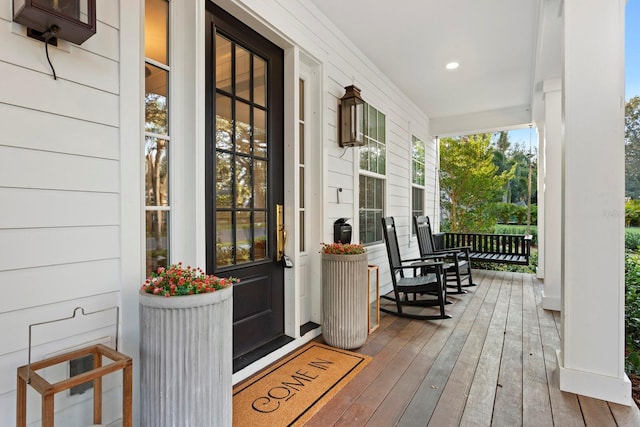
column 71, row 177
column 59, row 201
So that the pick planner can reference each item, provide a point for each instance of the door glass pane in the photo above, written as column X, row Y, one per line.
column 259, row 81
column 224, row 195
column 260, row 184
column 243, row 73
column 243, row 237
column 223, row 64
column 155, row 100
column 244, row 193
column 243, row 128
column 157, row 239
column 155, row 30
column 224, row 122
column 259, row 132
column 156, row 167
column 224, row 239
column 260, row 230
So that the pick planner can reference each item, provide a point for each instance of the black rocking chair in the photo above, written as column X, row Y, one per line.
column 457, row 264
column 430, row 283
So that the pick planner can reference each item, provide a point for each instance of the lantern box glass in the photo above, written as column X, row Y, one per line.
column 352, row 120
column 75, row 19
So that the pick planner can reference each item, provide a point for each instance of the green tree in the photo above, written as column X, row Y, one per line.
column 470, row 182
column 507, row 156
column 632, row 147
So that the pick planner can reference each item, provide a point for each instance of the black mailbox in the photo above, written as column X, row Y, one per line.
column 341, row 231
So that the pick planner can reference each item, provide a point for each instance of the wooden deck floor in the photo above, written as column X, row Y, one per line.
column 492, row 364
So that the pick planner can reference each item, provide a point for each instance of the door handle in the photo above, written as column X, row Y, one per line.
column 281, row 233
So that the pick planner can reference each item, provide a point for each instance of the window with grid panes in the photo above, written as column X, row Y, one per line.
column 417, row 178
column 373, row 165
column 156, row 134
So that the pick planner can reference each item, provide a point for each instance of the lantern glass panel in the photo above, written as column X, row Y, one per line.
column 74, row 9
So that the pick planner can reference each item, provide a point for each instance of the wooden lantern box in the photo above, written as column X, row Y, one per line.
column 27, row 375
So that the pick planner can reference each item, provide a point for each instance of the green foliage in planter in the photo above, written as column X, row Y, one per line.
column 632, row 311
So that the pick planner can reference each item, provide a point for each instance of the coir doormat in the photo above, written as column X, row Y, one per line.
column 295, row 388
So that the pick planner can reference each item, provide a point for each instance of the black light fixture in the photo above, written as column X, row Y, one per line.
column 352, row 120
column 72, row 20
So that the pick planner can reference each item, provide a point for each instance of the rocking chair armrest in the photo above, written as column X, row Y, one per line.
column 423, row 258
column 419, row 264
column 448, row 252
column 460, row 248
column 436, row 266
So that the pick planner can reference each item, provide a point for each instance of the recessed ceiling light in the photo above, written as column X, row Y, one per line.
column 452, row 65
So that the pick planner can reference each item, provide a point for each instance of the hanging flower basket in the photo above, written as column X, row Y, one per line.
column 344, row 295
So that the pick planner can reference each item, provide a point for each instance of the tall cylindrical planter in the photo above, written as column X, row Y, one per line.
column 186, row 359
column 344, row 300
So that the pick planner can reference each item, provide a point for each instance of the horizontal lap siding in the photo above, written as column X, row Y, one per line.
column 343, row 64
column 59, row 202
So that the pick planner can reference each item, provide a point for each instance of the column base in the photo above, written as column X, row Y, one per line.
column 540, row 272
column 616, row 390
column 551, row 302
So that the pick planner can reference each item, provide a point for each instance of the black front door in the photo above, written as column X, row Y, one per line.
column 245, row 175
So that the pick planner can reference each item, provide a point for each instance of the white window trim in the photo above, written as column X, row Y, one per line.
column 356, row 185
column 412, row 185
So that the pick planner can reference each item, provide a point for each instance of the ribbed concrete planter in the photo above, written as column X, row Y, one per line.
column 344, row 300
column 186, row 359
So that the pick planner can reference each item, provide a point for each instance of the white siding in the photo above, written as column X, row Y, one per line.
column 343, row 64
column 59, row 204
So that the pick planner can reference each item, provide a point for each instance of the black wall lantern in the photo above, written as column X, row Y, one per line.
column 72, row 20
column 352, row 120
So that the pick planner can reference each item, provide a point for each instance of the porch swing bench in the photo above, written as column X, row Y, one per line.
column 499, row 248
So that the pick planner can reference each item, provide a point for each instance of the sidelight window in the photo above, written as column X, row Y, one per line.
column 156, row 134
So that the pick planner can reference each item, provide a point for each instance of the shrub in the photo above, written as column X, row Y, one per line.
column 631, row 240
column 504, row 212
column 521, row 214
column 632, row 311
column 517, row 229
column 632, row 213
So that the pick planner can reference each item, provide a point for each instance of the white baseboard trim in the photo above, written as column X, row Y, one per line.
column 616, row 390
column 551, row 302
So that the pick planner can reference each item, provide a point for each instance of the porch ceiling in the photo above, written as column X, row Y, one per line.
column 496, row 43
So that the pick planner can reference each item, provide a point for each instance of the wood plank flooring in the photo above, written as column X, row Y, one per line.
column 492, row 364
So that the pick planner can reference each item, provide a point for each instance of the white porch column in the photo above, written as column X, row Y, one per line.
column 552, row 195
column 541, row 204
column 591, row 360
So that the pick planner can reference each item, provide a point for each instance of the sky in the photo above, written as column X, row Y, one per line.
column 632, row 66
